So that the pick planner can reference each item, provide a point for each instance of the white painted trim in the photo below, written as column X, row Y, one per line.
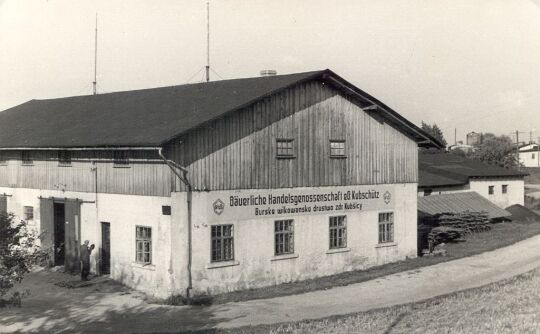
column 143, row 266
column 386, row 244
column 338, row 250
column 284, row 257
column 223, row 264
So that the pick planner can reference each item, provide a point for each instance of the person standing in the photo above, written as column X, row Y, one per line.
column 85, row 259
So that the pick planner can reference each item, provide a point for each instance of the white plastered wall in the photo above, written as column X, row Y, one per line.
column 255, row 264
column 124, row 213
column 514, row 195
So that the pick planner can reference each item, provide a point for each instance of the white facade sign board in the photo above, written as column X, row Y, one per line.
column 283, row 203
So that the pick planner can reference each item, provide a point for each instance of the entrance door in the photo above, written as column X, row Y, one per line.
column 59, row 234
column 72, row 239
column 105, row 248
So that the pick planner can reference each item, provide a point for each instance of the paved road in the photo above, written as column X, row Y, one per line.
column 55, row 309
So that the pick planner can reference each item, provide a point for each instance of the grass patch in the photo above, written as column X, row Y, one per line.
column 502, row 234
column 509, row 306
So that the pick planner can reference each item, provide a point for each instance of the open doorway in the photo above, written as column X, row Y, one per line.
column 59, row 234
column 105, row 248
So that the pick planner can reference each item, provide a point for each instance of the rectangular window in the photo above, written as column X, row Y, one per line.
column 28, row 213
column 491, row 190
column 386, row 227
column 121, row 158
column 26, row 158
column 284, row 237
column 64, row 158
column 504, row 188
column 337, row 148
column 338, row 232
column 143, row 244
column 222, row 243
column 532, row 155
column 166, row 210
column 285, row 148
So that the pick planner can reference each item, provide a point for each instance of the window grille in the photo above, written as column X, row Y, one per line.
column 28, row 213
column 222, row 243
column 285, row 148
column 338, row 232
column 284, row 237
column 386, row 227
column 144, row 244
column 337, row 148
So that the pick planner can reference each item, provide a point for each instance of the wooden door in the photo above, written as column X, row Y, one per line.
column 72, row 235
column 105, row 248
column 46, row 228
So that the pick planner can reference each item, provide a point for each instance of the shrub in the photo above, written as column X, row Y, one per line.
column 18, row 253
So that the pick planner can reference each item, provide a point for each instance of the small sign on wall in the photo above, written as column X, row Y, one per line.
column 256, row 204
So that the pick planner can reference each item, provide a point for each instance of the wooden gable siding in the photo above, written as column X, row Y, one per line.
column 146, row 174
column 239, row 151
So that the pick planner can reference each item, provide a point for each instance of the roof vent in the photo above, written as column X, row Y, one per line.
column 268, row 73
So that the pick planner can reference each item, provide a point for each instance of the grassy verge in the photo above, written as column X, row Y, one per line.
column 509, row 306
column 502, row 234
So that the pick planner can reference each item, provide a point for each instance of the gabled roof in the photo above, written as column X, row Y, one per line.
column 459, row 202
column 151, row 117
column 447, row 169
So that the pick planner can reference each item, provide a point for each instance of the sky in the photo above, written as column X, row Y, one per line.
column 469, row 65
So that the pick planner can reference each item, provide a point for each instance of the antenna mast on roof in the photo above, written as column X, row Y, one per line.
column 207, row 41
column 94, row 83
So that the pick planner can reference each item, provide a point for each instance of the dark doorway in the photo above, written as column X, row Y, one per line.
column 59, row 234
column 105, row 248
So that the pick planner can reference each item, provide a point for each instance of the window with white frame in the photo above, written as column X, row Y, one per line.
column 28, row 212
column 143, row 244
column 338, row 232
column 386, row 227
column 337, row 148
column 285, row 148
column 222, row 243
column 284, row 237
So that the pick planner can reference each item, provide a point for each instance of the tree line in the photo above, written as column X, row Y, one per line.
column 492, row 149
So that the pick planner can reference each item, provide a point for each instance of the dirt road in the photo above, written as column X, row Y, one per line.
column 111, row 308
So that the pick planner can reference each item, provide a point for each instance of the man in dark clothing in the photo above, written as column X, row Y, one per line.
column 85, row 260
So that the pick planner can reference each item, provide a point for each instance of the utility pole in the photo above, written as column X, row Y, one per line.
column 455, row 136
column 94, row 83
column 517, row 146
column 207, row 41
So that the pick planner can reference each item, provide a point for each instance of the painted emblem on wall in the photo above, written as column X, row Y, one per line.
column 219, row 206
column 387, row 197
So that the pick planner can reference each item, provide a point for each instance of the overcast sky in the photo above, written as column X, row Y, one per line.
column 470, row 65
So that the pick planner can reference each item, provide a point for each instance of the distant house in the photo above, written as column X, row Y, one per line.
column 529, row 155
column 474, row 138
column 461, row 146
column 445, row 173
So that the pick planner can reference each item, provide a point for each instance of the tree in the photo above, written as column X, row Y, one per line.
column 498, row 150
column 435, row 132
column 18, row 253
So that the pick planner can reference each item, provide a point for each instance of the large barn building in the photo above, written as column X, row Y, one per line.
column 219, row 186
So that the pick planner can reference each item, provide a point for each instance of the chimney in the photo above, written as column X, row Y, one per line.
column 268, row 73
